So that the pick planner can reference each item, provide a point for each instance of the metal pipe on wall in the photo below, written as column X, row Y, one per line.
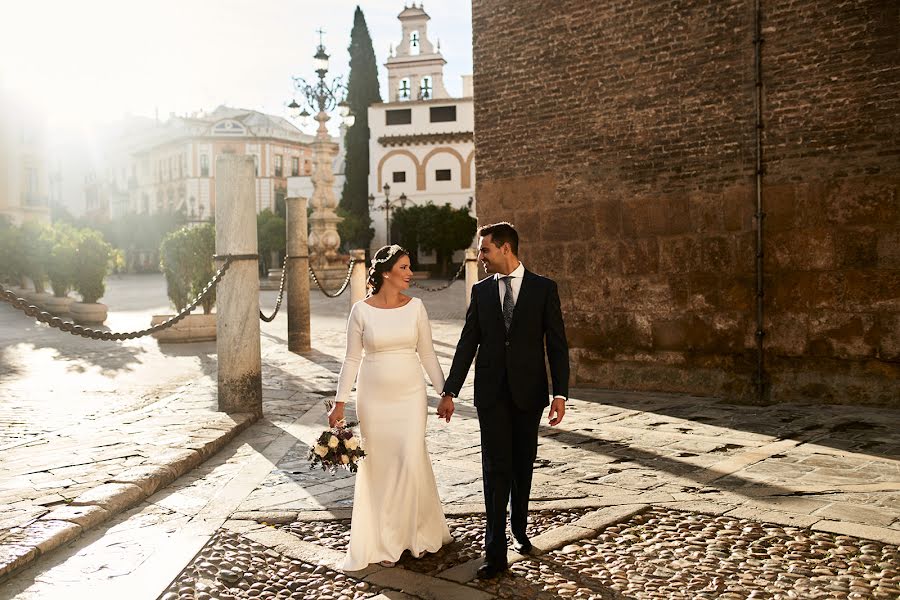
column 760, row 379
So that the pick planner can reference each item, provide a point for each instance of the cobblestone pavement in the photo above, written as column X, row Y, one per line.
column 655, row 554
column 468, row 534
column 810, row 472
column 232, row 566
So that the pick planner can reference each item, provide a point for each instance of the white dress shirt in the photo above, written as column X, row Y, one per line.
column 517, row 275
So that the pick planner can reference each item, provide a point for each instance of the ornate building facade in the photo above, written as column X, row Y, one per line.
column 421, row 140
column 171, row 166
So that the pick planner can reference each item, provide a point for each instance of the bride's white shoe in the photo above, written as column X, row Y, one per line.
column 387, row 563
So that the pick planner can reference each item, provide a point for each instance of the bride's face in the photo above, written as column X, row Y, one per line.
column 400, row 275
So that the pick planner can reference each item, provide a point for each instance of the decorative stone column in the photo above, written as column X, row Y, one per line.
column 237, row 296
column 324, row 240
column 297, row 276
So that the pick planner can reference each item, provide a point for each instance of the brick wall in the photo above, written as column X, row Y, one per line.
column 619, row 138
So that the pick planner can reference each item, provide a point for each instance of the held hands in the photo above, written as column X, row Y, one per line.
column 445, row 408
column 557, row 410
column 336, row 414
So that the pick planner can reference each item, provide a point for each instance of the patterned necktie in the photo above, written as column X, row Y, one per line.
column 508, row 302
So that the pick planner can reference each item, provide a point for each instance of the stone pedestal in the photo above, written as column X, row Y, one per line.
column 331, row 277
column 324, row 240
column 237, row 297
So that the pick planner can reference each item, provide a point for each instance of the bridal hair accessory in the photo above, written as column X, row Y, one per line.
column 394, row 249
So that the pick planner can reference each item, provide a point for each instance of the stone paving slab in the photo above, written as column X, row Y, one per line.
column 585, row 465
column 102, row 493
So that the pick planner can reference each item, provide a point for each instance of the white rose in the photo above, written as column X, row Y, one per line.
column 355, row 458
column 320, row 450
column 345, row 459
column 351, row 444
column 333, row 442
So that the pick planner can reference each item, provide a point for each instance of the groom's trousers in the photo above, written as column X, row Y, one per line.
column 508, row 449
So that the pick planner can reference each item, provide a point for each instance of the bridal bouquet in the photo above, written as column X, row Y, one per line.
column 337, row 447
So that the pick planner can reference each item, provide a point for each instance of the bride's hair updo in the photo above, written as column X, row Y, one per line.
column 382, row 262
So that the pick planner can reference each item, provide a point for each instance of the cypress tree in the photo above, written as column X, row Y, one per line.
column 362, row 91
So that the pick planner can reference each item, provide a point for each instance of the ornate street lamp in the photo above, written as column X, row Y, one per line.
column 322, row 97
column 386, row 206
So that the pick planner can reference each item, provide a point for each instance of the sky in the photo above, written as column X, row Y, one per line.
column 83, row 62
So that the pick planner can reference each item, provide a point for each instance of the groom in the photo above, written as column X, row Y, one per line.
column 512, row 313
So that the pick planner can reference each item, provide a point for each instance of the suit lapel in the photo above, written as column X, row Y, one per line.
column 524, row 295
column 494, row 294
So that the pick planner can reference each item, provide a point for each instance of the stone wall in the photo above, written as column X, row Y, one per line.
column 619, row 138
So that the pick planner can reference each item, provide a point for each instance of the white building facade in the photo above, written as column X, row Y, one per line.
column 171, row 166
column 24, row 163
column 421, row 140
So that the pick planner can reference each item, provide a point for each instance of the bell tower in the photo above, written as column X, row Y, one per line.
column 416, row 69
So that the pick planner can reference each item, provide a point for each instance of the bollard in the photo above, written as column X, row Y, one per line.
column 297, row 276
column 358, row 277
column 471, row 272
column 237, row 297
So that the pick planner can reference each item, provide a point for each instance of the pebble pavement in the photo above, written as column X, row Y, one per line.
column 657, row 554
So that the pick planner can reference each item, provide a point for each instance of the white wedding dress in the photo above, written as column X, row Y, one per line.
column 396, row 506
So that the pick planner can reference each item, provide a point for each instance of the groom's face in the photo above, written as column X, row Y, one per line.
column 490, row 255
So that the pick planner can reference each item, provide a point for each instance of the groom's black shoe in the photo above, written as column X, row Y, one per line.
column 490, row 570
column 524, row 548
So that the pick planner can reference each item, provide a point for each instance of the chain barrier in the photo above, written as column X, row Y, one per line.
column 280, row 294
column 441, row 288
column 343, row 285
column 97, row 334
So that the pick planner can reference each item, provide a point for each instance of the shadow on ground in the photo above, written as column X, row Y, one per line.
column 863, row 430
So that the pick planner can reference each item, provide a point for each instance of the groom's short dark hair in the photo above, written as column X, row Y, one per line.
column 501, row 233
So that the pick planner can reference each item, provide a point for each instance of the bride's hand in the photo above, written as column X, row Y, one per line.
column 445, row 408
column 336, row 415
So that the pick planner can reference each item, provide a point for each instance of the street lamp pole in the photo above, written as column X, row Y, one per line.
column 322, row 97
column 386, row 206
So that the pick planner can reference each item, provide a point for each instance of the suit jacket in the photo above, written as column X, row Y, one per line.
column 518, row 354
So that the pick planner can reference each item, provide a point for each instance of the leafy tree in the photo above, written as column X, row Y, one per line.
column 36, row 243
column 405, row 230
column 362, row 91
column 186, row 258
column 141, row 234
column 12, row 252
column 59, row 213
column 91, row 265
column 439, row 229
column 63, row 239
column 271, row 232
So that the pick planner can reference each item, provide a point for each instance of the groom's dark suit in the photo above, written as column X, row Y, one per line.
column 511, row 392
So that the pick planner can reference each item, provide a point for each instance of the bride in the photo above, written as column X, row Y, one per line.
column 396, row 506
